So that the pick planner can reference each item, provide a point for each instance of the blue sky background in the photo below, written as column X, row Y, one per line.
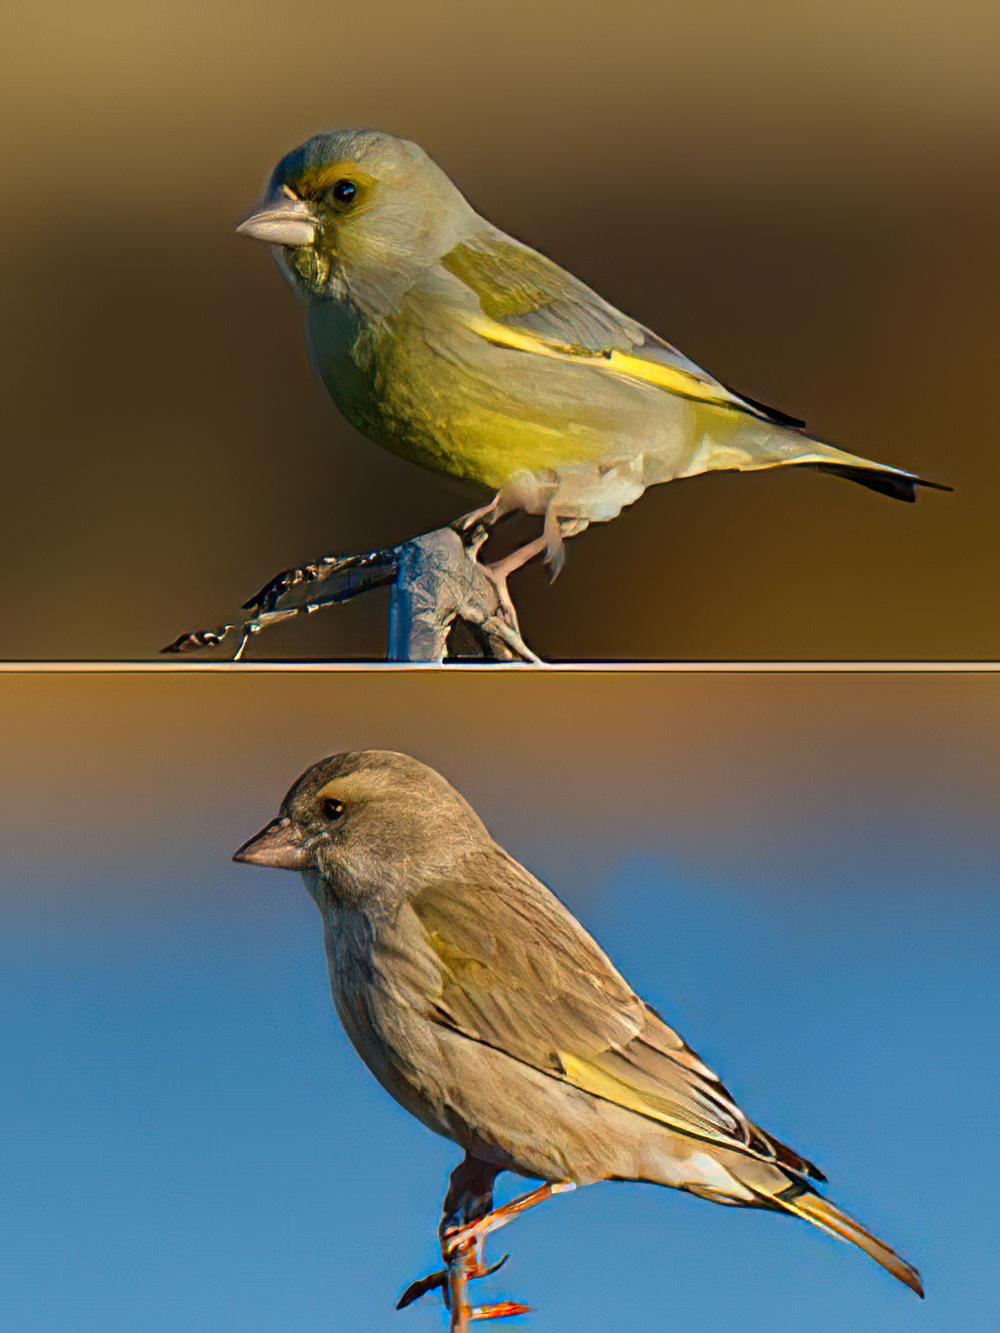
column 190, row 1143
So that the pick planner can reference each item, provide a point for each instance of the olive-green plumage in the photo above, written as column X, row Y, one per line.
column 486, row 1009
column 459, row 348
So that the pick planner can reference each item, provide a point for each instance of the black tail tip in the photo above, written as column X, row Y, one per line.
column 892, row 484
column 914, row 1281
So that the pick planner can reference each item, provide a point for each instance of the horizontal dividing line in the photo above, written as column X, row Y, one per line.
column 505, row 668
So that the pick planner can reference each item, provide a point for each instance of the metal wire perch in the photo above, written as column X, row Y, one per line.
column 435, row 582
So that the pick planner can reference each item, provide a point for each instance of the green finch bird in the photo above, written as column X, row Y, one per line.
column 457, row 347
column 481, row 1004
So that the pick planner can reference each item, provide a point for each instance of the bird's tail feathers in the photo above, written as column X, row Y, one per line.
column 752, row 449
column 804, row 1202
column 895, row 482
column 889, row 481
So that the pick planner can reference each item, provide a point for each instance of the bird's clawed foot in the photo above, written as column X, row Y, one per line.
column 549, row 544
column 502, row 1310
column 475, row 528
column 472, row 1235
column 500, row 571
column 473, row 1271
column 483, row 517
column 462, row 1245
column 463, row 1252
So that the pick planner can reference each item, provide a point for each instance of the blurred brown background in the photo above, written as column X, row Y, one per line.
column 804, row 198
column 767, row 781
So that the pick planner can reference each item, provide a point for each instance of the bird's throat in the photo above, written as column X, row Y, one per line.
column 312, row 267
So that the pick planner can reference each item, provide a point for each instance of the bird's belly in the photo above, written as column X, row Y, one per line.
column 551, row 436
column 401, row 1058
column 461, row 419
column 449, row 402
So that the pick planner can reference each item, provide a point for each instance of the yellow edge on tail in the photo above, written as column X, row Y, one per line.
column 828, row 1217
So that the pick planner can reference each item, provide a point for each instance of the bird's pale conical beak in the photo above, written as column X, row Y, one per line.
column 278, row 846
column 286, row 221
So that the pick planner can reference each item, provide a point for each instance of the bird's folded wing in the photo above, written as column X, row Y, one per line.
column 527, row 303
column 518, row 973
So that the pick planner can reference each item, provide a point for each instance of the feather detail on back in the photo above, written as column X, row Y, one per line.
column 530, row 304
column 527, row 979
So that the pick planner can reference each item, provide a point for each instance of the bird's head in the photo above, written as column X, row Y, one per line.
column 368, row 825
column 355, row 210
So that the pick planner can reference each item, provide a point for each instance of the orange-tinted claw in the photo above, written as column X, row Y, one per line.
column 502, row 1310
column 439, row 1282
column 493, row 1268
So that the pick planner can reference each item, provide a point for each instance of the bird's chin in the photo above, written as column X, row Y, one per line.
column 306, row 269
column 282, row 256
column 317, row 886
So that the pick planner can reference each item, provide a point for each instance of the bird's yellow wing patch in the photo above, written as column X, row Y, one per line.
column 682, row 1117
column 529, row 304
column 612, row 362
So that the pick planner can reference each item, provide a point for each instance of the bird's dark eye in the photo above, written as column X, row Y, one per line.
column 332, row 810
column 344, row 192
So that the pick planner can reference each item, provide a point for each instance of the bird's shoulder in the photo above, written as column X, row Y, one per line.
column 516, row 967
column 522, row 288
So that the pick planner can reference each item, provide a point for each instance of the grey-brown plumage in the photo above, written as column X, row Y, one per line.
column 485, row 1008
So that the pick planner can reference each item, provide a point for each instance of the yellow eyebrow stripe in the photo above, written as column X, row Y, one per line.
column 315, row 180
column 668, row 378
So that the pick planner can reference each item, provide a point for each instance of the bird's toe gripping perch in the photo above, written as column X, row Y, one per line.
column 462, row 1250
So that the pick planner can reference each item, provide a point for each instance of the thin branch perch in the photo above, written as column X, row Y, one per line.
column 435, row 582
column 459, row 1272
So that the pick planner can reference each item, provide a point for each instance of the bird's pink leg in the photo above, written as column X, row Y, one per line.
column 476, row 1231
column 501, row 570
column 469, row 1217
column 463, row 1246
column 469, row 1197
